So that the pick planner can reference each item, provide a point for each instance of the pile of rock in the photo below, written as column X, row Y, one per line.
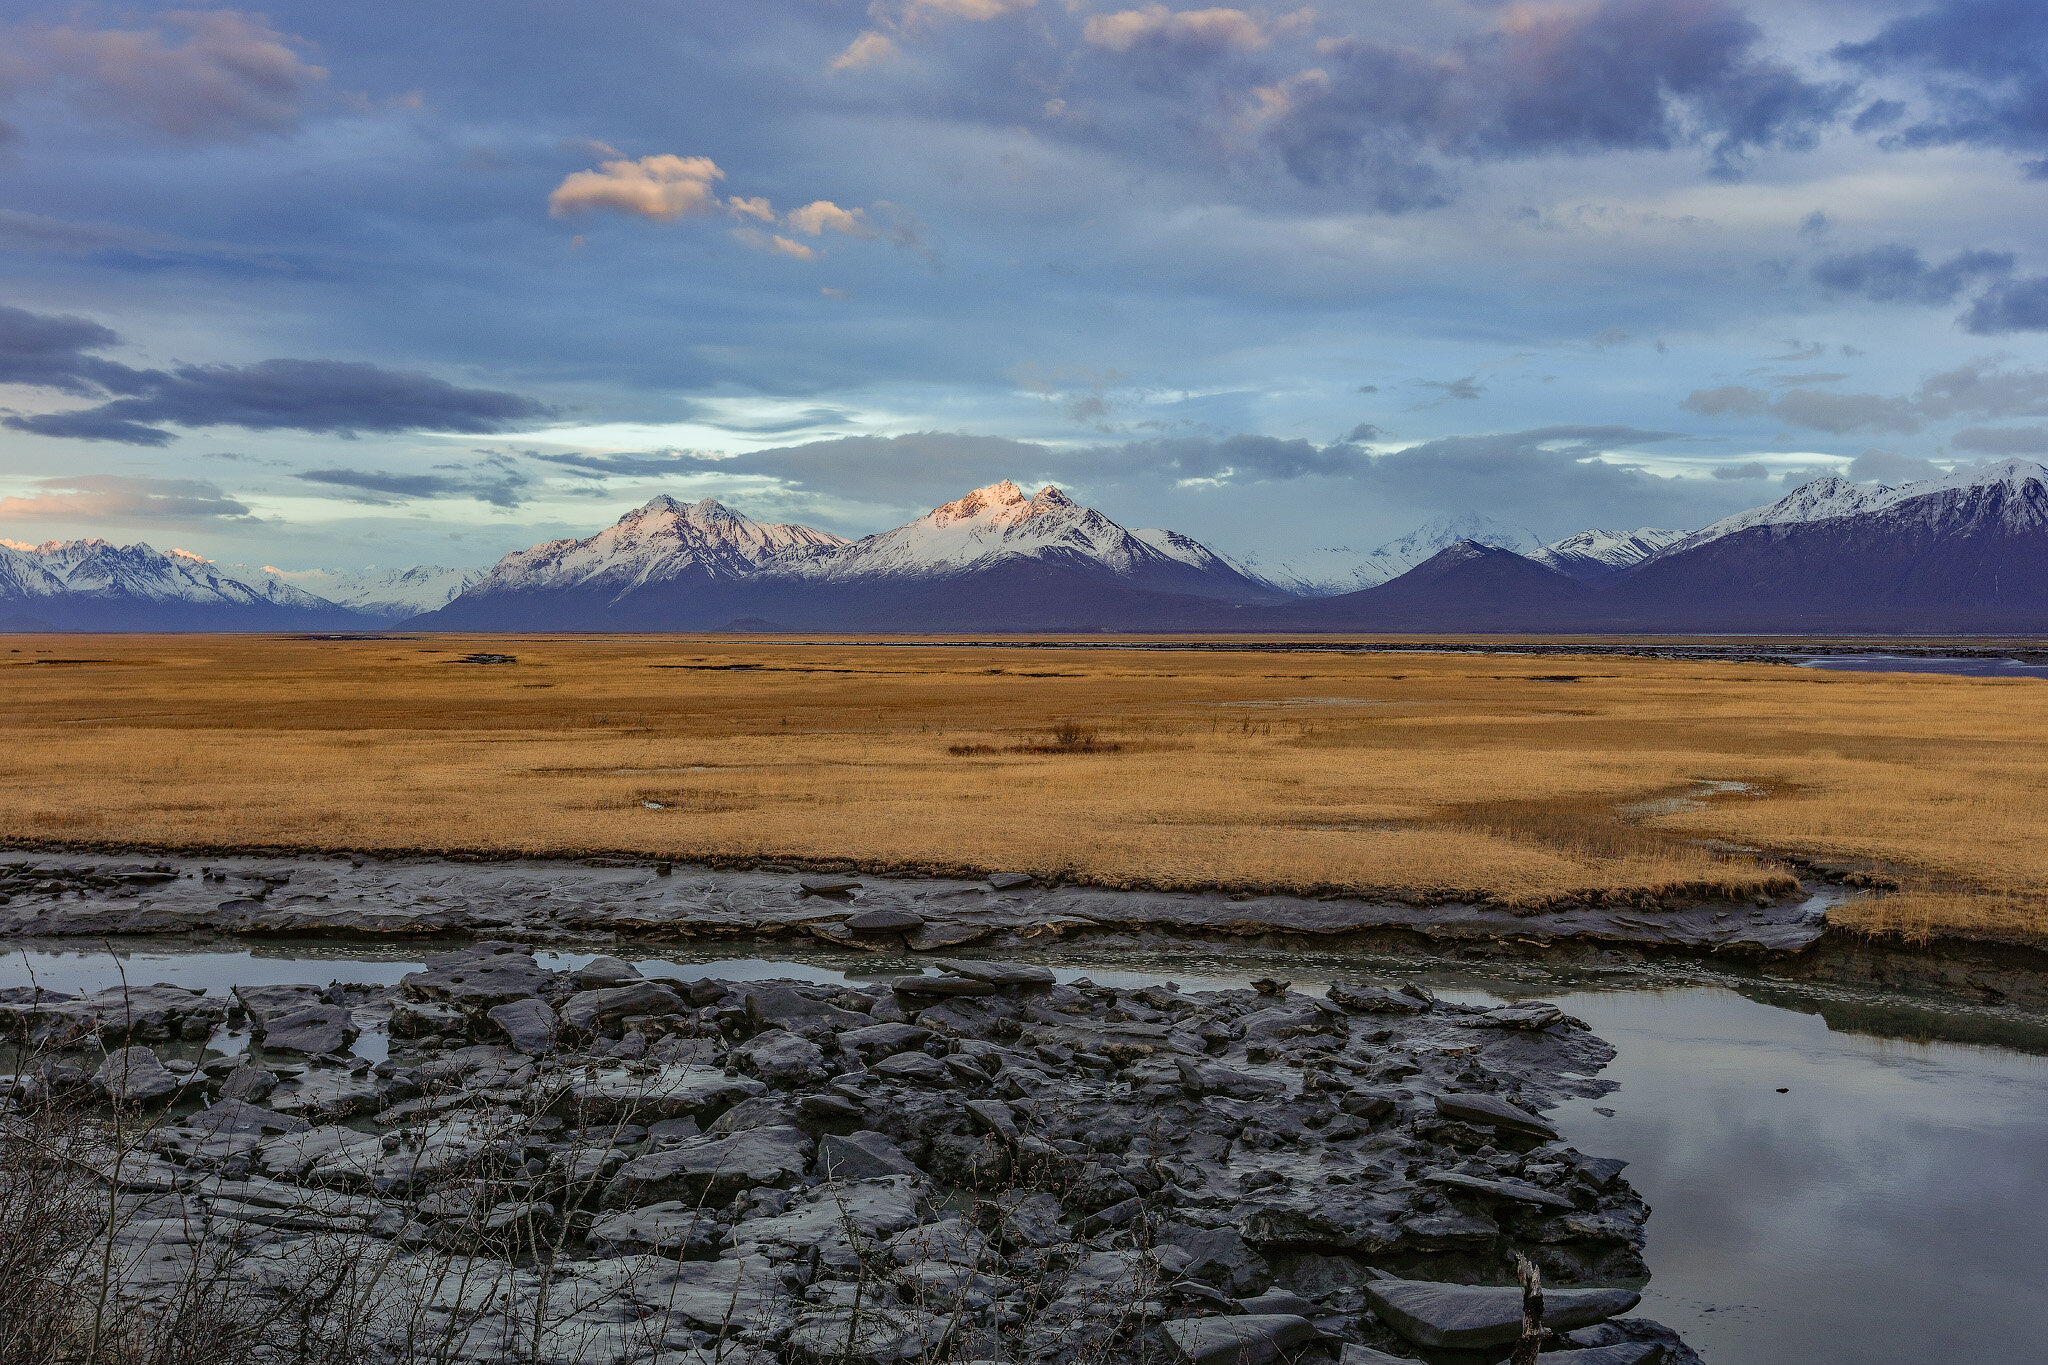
column 978, row 1164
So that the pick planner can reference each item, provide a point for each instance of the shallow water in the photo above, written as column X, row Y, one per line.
column 1905, row 663
column 1891, row 1206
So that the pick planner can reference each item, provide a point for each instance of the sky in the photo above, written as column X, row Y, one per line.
column 379, row 284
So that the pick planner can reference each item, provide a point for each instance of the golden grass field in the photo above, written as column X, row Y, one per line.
column 1516, row 778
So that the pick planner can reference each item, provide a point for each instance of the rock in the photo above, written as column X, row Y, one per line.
column 948, row 1240
column 424, row 1018
column 528, row 1026
column 1488, row 1111
column 939, row 986
column 828, row 886
column 1010, row 881
column 914, row 1067
column 1298, row 1017
column 1030, row 1219
column 1279, row 1301
column 774, row 1003
column 478, row 977
column 1354, row 1354
column 1210, row 1078
column 670, row 1228
column 836, row 1223
column 601, row 973
column 247, row 1082
column 862, row 1156
column 1251, row 1340
column 133, row 1075
column 618, row 1094
column 312, row 1030
column 229, row 1128
column 1472, row 1317
column 265, row 1003
column 1219, row 1256
column 1375, row 999
column 760, row 1111
column 882, row 1040
column 884, row 919
column 711, row 1169
column 1622, row 1353
column 999, row 973
column 1518, row 1190
column 785, row 1059
column 995, row 1117
column 872, row 1336
column 588, row 1012
column 1532, row 1016
column 828, row 1109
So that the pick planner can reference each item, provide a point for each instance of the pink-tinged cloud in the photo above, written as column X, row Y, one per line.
column 1155, row 25
column 757, row 209
column 974, row 11
column 775, row 242
column 815, row 218
column 91, row 498
column 864, row 51
column 199, row 74
column 663, row 187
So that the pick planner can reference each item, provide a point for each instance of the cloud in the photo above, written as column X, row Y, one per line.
column 500, row 484
column 1984, row 68
column 1614, row 75
column 2002, row 441
column 1467, row 388
column 872, row 46
column 199, row 75
column 1978, row 389
column 1755, row 469
column 662, row 187
column 334, row 396
column 864, row 51
column 773, row 241
column 1366, row 431
column 657, row 464
column 1884, row 466
column 98, row 498
column 1213, row 30
column 816, row 218
column 2010, row 306
column 1839, row 413
column 1898, row 274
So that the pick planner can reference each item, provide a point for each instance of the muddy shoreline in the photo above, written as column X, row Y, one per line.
column 73, row 893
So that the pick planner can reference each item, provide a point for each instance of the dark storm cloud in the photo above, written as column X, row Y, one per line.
column 1899, row 274
column 333, row 396
column 1985, row 68
column 1623, row 75
column 2002, row 441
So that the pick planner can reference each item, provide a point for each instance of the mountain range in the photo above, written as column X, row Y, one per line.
column 1964, row 553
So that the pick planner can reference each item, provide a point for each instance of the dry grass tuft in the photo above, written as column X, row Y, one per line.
column 1418, row 774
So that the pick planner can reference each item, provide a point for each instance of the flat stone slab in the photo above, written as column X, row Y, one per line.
column 1253, row 1339
column 1489, row 1111
column 1521, row 1191
column 1469, row 1317
column 713, row 1169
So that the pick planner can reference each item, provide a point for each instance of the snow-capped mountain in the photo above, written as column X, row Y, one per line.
column 1597, row 553
column 383, row 594
column 1964, row 553
column 663, row 541
column 1332, row 570
column 994, row 554
column 999, row 522
column 93, row 584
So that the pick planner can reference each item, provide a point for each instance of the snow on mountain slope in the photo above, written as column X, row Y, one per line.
column 1333, row 570
column 990, row 524
column 1187, row 550
column 1833, row 498
column 386, row 594
column 1596, row 551
column 663, row 540
column 95, row 569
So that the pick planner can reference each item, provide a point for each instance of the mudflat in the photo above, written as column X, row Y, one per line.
column 1524, row 781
